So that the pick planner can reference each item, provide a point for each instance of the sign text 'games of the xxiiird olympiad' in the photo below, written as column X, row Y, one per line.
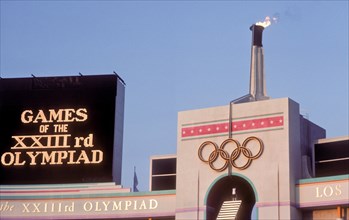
column 57, row 129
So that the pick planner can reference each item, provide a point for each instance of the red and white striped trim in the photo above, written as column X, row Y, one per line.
column 243, row 125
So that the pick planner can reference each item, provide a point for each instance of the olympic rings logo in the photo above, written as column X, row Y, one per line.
column 238, row 153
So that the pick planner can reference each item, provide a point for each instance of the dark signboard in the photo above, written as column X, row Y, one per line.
column 57, row 129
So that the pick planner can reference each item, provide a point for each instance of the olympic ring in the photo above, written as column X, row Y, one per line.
column 234, row 156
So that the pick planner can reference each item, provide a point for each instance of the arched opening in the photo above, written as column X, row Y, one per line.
column 222, row 191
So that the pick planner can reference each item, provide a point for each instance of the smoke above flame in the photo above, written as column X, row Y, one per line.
column 268, row 21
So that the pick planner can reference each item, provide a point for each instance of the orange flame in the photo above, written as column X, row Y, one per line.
column 267, row 21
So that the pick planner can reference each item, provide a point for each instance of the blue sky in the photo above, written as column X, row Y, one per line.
column 181, row 55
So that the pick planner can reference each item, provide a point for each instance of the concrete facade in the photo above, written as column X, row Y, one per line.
column 274, row 174
column 277, row 182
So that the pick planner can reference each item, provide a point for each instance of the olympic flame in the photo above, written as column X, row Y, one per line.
column 268, row 21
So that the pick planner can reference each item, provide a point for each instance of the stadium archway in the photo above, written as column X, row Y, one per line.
column 223, row 188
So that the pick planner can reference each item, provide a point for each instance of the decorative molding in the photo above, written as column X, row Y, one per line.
column 220, row 128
